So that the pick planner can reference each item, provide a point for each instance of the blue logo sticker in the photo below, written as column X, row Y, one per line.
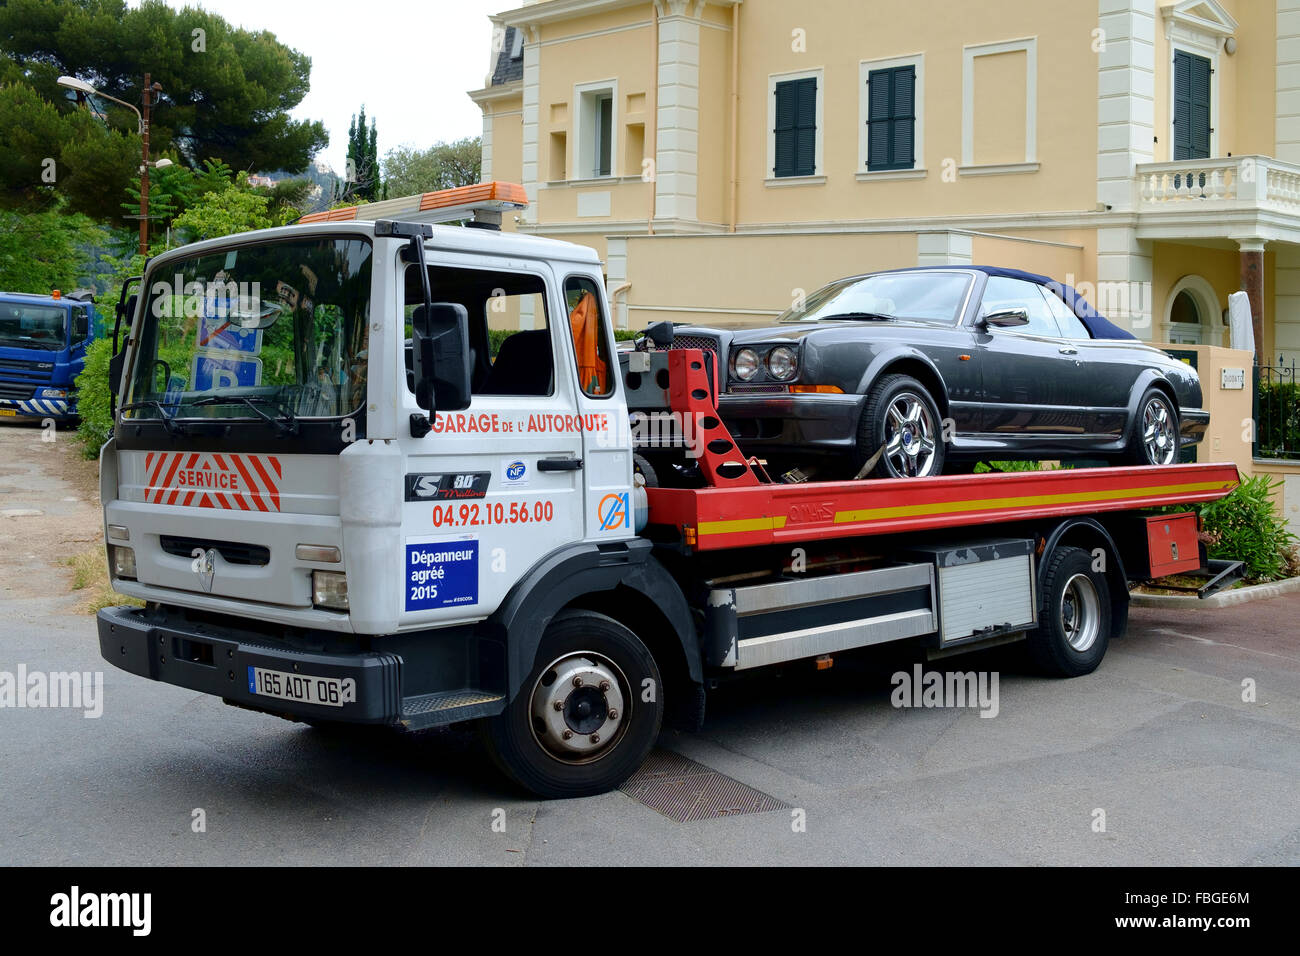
column 613, row 512
column 441, row 575
column 515, row 470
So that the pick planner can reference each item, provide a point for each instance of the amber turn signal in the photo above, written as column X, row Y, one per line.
column 824, row 389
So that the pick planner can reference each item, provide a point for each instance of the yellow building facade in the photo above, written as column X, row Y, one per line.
column 1146, row 151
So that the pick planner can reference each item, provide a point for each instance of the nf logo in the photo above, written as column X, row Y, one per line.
column 613, row 512
column 73, row 909
column 515, row 470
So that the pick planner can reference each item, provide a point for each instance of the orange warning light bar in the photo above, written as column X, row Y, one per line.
column 484, row 202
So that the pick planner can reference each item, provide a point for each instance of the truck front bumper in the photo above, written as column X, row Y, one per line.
column 57, row 408
column 219, row 661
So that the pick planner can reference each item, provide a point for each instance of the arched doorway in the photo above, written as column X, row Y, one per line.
column 1193, row 315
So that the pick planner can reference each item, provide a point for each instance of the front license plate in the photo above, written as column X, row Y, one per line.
column 328, row 691
column 8, row 411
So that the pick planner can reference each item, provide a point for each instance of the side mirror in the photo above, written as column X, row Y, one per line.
column 115, row 373
column 80, row 324
column 440, row 356
column 1005, row 319
column 661, row 334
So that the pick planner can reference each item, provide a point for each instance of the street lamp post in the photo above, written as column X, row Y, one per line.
column 151, row 90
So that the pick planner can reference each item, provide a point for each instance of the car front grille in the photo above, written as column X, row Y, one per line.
column 702, row 342
column 17, row 390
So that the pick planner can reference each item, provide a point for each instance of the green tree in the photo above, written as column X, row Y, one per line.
column 408, row 171
column 226, row 92
column 236, row 208
column 362, row 179
column 47, row 250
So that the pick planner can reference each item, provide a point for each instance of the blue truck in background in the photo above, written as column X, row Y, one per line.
column 43, row 340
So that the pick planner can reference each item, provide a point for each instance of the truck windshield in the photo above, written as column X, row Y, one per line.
column 276, row 329
column 32, row 326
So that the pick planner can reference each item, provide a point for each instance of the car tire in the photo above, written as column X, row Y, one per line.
column 1074, row 624
column 526, row 740
column 1156, row 437
column 895, row 402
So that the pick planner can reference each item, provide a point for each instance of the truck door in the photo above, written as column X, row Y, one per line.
column 494, row 488
column 607, row 456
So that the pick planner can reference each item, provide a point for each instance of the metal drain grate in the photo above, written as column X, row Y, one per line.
column 684, row 790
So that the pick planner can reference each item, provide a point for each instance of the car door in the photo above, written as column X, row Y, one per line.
column 1103, row 375
column 1027, row 370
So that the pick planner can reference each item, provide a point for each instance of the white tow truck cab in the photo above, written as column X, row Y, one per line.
column 382, row 472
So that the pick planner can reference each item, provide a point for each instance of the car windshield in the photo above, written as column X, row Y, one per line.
column 32, row 326
column 276, row 329
column 922, row 296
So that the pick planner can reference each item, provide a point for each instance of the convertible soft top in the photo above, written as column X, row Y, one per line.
column 1096, row 323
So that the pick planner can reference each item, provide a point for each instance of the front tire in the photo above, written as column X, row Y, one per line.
column 588, row 714
column 1156, row 431
column 1074, row 627
column 901, row 416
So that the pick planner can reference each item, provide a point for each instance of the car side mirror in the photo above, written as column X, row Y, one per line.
column 1005, row 319
column 661, row 334
column 440, row 358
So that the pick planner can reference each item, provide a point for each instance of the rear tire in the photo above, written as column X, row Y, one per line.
column 1074, row 624
column 901, row 415
column 591, row 666
column 1156, row 437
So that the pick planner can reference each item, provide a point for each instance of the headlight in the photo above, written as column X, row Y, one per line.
column 745, row 364
column 329, row 589
column 123, row 562
column 52, row 393
column 782, row 363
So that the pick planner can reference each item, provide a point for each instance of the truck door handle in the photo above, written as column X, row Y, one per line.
column 559, row 464
column 1066, row 350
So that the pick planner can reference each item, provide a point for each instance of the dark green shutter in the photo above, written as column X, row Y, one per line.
column 795, row 129
column 606, row 136
column 1191, row 106
column 891, row 118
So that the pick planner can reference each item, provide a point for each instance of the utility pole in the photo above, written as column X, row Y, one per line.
column 149, row 91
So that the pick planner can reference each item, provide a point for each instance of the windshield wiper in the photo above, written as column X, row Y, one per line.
column 287, row 423
column 880, row 316
column 173, row 427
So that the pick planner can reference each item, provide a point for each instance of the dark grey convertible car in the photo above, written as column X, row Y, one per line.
column 917, row 371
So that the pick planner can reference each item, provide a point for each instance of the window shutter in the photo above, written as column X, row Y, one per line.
column 785, row 129
column 891, row 118
column 806, row 122
column 795, row 131
column 1191, row 106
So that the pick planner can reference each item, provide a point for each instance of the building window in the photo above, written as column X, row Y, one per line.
column 795, row 126
column 891, row 118
column 1191, row 105
column 596, row 143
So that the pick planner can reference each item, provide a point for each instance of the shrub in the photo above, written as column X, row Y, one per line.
column 92, row 398
column 1244, row 526
column 1279, row 419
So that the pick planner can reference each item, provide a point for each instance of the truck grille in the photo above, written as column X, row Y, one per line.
column 16, row 390
column 232, row 551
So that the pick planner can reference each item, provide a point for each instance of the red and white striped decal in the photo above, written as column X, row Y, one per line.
column 209, row 480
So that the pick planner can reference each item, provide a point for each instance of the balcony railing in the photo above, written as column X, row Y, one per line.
column 1250, row 180
column 1277, row 412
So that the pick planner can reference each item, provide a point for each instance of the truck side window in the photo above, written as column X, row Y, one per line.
column 590, row 344
column 509, row 329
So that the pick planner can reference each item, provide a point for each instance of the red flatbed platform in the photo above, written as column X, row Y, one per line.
column 716, row 518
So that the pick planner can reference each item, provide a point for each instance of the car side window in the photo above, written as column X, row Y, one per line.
column 1071, row 326
column 1001, row 292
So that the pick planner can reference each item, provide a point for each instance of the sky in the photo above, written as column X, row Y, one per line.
column 410, row 62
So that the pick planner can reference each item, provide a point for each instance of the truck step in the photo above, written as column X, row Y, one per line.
column 449, row 706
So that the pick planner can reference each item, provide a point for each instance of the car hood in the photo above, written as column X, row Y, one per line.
column 794, row 332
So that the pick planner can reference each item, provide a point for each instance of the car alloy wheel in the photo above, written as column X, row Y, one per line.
column 911, row 436
column 1159, row 432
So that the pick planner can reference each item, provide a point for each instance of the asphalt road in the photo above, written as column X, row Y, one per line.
column 1159, row 738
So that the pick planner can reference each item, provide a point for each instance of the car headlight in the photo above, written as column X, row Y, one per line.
column 782, row 363
column 745, row 364
column 123, row 562
column 329, row 589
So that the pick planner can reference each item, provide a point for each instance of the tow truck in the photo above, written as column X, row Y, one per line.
column 338, row 507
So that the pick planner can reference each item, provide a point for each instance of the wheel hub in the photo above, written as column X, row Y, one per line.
column 1080, row 612
column 909, row 437
column 578, row 706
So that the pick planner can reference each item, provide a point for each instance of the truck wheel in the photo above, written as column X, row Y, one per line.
column 901, row 416
column 1156, row 438
column 580, row 724
column 1074, row 627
